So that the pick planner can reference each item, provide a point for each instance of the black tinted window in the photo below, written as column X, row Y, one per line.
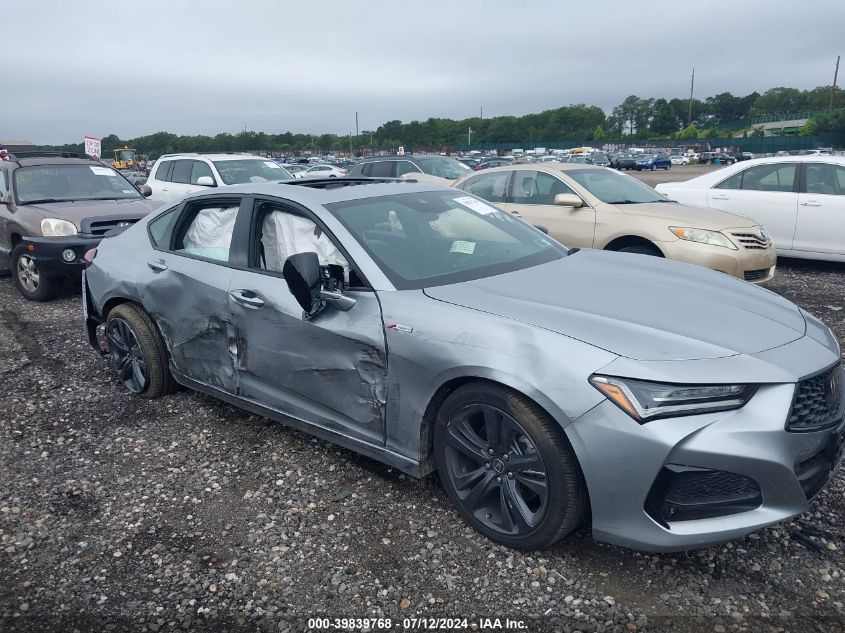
column 381, row 169
column 182, row 171
column 162, row 169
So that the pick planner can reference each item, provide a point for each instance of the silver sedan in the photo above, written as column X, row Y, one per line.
column 674, row 406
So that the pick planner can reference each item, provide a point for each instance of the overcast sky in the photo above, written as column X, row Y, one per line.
column 207, row 66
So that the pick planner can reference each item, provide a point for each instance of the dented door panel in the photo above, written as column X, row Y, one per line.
column 188, row 302
column 330, row 371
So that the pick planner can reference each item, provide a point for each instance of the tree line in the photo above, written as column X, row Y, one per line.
column 634, row 118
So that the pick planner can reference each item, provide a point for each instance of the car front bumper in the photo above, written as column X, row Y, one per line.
column 624, row 463
column 752, row 266
column 48, row 253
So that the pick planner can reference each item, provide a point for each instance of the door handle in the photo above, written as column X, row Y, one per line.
column 516, row 213
column 247, row 298
column 720, row 197
column 157, row 267
column 164, row 188
column 811, row 203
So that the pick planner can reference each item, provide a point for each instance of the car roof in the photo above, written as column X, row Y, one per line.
column 306, row 193
column 548, row 167
column 403, row 157
column 54, row 160
column 220, row 156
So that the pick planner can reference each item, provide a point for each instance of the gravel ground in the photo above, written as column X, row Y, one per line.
column 122, row 514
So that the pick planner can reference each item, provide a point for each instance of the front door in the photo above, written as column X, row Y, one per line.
column 767, row 193
column 821, row 210
column 329, row 370
column 533, row 196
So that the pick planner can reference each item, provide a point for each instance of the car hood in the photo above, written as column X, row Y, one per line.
column 677, row 214
column 640, row 307
column 76, row 211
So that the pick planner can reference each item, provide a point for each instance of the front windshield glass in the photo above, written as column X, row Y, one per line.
column 238, row 172
column 61, row 183
column 434, row 238
column 442, row 166
column 614, row 188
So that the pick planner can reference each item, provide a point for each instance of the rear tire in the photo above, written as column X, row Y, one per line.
column 137, row 353
column 507, row 467
column 29, row 280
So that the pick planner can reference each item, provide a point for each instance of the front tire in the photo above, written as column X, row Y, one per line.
column 507, row 467
column 33, row 284
column 138, row 355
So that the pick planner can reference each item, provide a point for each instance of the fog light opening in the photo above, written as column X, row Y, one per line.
column 68, row 255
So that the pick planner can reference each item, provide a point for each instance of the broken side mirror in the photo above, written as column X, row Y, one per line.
column 302, row 274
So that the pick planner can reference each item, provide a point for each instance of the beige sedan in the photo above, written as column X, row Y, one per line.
column 596, row 207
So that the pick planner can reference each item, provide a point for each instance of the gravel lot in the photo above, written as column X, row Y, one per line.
column 119, row 514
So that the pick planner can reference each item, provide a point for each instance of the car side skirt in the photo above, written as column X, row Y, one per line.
column 379, row 453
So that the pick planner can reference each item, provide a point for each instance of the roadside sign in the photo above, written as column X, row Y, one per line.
column 401, row 151
column 92, row 146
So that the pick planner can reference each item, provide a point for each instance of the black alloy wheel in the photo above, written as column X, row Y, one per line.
column 496, row 470
column 127, row 358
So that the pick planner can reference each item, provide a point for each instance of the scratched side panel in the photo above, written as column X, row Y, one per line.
column 450, row 342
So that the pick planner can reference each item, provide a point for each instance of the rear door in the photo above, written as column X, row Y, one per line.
column 768, row 193
column 186, row 286
column 330, row 369
column 821, row 209
column 180, row 180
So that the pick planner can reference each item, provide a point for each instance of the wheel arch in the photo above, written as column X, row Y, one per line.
column 451, row 383
column 624, row 241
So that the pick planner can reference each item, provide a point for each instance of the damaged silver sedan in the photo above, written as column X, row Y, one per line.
column 675, row 406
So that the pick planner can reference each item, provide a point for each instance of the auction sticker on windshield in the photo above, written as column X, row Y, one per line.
column 462, row 246
column 102, row 171
column 475, row 205
column 270, row 163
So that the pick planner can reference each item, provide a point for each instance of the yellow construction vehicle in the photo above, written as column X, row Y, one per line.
column 127, row 158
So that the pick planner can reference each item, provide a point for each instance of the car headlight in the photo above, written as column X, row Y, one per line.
column 702, row 236
column 52, row 227
column 645, row 401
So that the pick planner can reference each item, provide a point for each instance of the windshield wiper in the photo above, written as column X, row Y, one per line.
column 636, row 201
column 45, row 200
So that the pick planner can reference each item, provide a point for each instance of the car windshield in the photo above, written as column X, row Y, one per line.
column 442, row 166
column 60, row 183
column 237, row 172
column 614, row 188
column 434, row 238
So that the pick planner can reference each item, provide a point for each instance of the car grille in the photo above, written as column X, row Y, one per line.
column 753, row 241
column 756, row 275
column 99, row 226
column 818, row 401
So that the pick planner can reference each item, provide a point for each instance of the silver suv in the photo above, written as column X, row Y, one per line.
column 178, row 175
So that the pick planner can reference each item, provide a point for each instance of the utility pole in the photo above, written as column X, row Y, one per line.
column 481, row 117
column 691, row 86
column 350, row 144
column 356, row 130
column 833, row 87
column 469, row 136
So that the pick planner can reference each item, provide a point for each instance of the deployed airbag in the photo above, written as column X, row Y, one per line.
column 285, row 234
column 210, row 233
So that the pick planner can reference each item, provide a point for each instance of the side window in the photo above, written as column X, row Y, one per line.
column 406, row 167
column 825, row 179
column 365, row 169
column 159, row 228
column 182, row 171
column 282, row 233
column 162, row 169
column 776, row 177
column 732, row 182
column 199, row 169
column 491, row 187
column 382, row 169
column 207, row 231
column 532, row 187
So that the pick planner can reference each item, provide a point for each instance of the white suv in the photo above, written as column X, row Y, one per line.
column 177, row 175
